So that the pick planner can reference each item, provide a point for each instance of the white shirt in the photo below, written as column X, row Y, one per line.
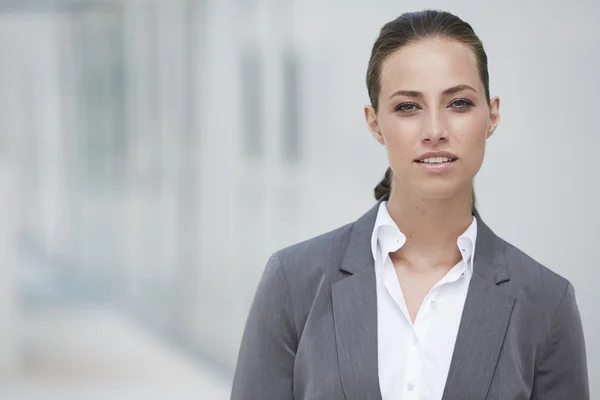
column 414, row 359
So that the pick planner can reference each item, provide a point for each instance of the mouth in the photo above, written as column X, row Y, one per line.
column 436, row 160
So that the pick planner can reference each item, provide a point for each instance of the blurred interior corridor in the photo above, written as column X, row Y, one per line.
column 94, row 353
column 154, row 153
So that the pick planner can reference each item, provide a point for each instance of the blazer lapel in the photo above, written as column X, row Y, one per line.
column 484, row 322
column 355, row 314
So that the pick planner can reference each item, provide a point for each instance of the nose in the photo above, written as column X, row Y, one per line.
column 434, row 129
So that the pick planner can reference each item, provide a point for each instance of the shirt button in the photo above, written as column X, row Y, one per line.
column 410, row 386
column 432, row 304
column 415, row 341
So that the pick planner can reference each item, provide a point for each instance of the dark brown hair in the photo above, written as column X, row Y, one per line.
column 410, row 28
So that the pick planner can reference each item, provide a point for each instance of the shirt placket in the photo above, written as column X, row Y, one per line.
column 414, row 360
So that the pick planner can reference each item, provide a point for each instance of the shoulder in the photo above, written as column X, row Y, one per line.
column 537, row 288
column 314, row 256
column 531, row 275
column 304, row 272
column 307, row 269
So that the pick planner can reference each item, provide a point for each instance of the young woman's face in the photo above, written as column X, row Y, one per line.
column 433, row 117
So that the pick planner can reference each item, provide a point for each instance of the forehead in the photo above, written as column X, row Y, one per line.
column 429, row 66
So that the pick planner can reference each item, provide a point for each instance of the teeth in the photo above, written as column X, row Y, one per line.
column 433, row 160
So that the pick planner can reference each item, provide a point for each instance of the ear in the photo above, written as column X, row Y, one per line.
column 494, row 115
column 372, row 124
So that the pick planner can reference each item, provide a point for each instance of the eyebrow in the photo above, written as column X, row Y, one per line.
column 413, row 93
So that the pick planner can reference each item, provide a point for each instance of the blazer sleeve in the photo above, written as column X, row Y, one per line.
column 562, row 370
column 265, row 364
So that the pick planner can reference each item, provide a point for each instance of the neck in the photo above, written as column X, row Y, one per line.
column 431, row 226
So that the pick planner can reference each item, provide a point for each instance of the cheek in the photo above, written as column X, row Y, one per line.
column 400, row 137
column 472, row 140
column 398, row 149
column 472, row 132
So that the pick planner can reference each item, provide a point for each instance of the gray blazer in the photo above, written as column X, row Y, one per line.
column 311, row 333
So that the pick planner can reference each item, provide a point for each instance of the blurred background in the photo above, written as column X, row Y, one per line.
column 153, row 154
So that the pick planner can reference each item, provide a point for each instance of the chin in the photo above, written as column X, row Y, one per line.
column 437, row 195
column 439, row 191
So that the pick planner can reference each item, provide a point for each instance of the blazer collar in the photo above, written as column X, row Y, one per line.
column 484, row 321
column 488, row 247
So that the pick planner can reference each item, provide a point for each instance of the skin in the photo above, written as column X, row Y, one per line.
column 417, row 114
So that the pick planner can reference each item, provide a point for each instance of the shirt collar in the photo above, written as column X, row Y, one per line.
column 387, row 237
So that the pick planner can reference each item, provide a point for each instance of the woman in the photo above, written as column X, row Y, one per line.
column 417, row 299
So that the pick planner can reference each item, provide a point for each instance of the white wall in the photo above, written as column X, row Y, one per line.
column 9, row 310
column 30, row 124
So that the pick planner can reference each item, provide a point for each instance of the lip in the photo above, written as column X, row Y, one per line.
column 436, row 154
column 436, row 168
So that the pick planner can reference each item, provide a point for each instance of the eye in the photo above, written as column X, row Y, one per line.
column 461, row 103
column 407, row 108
